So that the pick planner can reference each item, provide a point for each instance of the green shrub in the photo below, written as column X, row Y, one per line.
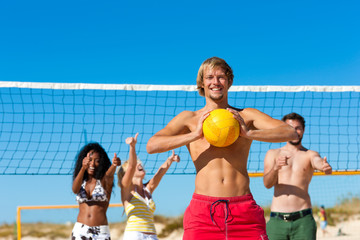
column 170, row 226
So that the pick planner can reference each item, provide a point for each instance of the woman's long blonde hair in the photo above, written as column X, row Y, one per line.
column 122, row 170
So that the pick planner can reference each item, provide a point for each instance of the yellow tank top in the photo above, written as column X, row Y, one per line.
column 140, row 213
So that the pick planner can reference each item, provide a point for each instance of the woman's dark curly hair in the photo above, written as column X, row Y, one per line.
column 104, row 161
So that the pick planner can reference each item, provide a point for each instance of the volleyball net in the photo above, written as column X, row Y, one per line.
column 44, row 125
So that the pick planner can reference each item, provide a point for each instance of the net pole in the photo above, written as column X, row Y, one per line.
column 18, row 223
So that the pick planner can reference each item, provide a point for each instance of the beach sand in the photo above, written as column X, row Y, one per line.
column 347, row 230
column 350, row 230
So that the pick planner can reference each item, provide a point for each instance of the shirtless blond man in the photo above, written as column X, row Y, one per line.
column 222, row 206
column 290, row 169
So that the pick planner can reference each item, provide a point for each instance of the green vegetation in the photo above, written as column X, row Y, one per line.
column 171, row 224
column 343, row 211
column 48, row 230
column 6, row 230
column 266, row 211
column 37, row 230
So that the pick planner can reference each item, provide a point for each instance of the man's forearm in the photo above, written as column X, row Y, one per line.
column 163, row 143
column 280, row 134
column 270, row 178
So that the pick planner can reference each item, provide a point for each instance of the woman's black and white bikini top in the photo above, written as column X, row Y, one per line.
column 97, row 195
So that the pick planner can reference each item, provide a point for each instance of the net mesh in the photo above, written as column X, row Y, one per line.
column 43, row 125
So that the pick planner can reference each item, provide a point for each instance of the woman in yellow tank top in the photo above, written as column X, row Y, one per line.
column 137, row 197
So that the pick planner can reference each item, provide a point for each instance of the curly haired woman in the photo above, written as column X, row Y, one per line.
column 93, row 182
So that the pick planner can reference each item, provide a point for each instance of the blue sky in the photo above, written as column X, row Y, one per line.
column 156, row 42
column 162, row 42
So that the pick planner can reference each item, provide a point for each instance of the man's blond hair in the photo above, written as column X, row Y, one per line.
column 213, row 62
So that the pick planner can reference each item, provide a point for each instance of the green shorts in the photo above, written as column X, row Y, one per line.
column 303, row 228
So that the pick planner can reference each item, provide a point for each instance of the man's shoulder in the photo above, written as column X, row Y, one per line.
column 249, row 111
column 307, row 151
column 187, row 113
column 310, row 152
column 274, row 151
column 237, row 109
column 243, row 109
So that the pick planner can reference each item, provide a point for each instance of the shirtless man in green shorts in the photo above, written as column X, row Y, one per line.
column 290, row 169
column 222, row 206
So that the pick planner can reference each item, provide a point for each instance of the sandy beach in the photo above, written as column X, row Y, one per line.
column 346, row 230
column 350, row 230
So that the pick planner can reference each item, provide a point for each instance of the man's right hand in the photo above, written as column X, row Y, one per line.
column 281, row 161
column 199, row 128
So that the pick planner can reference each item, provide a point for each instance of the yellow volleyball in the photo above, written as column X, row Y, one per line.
column 220, row 128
